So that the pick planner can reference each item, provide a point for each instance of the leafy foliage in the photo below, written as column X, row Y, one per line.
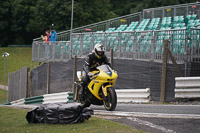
column 19, row 57
column 23, row 20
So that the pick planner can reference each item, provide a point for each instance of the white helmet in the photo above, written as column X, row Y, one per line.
column 99, row 50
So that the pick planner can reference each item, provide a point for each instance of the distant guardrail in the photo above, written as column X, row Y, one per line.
column 63, row 97
column 124, row 96
column 187, row 87
column 133, row 95
column 19, row 45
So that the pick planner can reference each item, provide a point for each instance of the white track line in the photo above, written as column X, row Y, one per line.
column 149, row 124
column 150, row 115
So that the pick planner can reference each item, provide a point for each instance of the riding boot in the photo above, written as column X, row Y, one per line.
column 82, row 92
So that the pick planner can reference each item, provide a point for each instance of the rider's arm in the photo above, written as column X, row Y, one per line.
column 105, row 61
column 87, row 64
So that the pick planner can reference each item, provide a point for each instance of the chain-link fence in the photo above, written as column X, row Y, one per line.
column 53, row 78
column 98, row 27
column 17, row 84
column 194, row 45
column 132, row 74
column 50, row 51
column 145, row 45
column 171, row 11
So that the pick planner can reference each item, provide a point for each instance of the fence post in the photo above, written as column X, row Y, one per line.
column 174, row 63
column 52, row 55
column 62, row 50
column 164, row 72
column 186, row 53
column 107, row 24
column 152, row 54
column 74, row 77
column 105, row 41
column 134, row 46
column 81, row 43
column 119, row 44
column 93, row 40
column 190, row 46
column 38, row 59
column 111, row 57
column 48, row 78
column 29, row 90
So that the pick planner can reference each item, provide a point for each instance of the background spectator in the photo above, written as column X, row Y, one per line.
column 53, row 35
column 46, row 38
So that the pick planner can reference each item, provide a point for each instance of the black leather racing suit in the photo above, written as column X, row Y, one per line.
column 91, row 63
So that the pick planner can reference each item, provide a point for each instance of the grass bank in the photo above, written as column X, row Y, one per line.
column 2, row 96
column 14, row 121
column 19, row 57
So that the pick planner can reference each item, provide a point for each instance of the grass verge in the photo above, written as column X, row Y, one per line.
column 2, row 96
column 13, row 121
column 19, row 57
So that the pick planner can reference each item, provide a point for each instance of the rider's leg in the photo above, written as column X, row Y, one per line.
column 85, row 80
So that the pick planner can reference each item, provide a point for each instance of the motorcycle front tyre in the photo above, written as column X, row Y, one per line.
column 84, row 102
column 111, row 102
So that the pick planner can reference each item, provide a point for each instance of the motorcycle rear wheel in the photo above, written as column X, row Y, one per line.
column 111, row 102
column 84, row 102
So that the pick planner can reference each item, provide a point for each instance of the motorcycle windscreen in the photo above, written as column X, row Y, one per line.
column 106, row 69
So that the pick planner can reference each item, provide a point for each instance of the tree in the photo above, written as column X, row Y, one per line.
column 4, row 22
column 20, row 14
column 23, row 20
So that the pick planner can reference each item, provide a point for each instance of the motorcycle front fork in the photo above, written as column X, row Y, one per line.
column 105, row 98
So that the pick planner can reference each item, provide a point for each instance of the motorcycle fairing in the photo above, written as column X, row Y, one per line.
column 99, row 81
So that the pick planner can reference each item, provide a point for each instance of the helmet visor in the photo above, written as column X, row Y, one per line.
column 100, row 53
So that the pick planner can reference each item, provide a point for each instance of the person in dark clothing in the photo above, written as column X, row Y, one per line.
column 92, row 61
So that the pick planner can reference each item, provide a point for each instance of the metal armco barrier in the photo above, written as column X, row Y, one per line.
column 125, row 95
column 187, row 87
column 133, row 95
column 18, row 102
column 55, row 98
column 64, row 97
column 34, row 100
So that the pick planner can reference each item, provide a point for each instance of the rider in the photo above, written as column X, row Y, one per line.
column 92, row 61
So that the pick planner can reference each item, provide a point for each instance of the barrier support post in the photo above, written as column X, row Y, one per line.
column 111, row 57
column 29, row 90
column 164, row 72
column 74, row 78
column 174, row 63
column 48, row 78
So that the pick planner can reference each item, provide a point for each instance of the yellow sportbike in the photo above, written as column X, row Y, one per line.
column 100, row 90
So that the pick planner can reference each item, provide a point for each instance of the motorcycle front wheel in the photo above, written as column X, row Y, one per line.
column 111, row 100
column 84, row 102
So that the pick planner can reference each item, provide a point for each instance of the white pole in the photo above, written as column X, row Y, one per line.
column 5, row 54
column 71, row 27
column 4, row 79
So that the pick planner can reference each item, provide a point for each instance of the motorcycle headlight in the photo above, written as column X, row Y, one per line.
column 115, row 72
column 109, row 73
